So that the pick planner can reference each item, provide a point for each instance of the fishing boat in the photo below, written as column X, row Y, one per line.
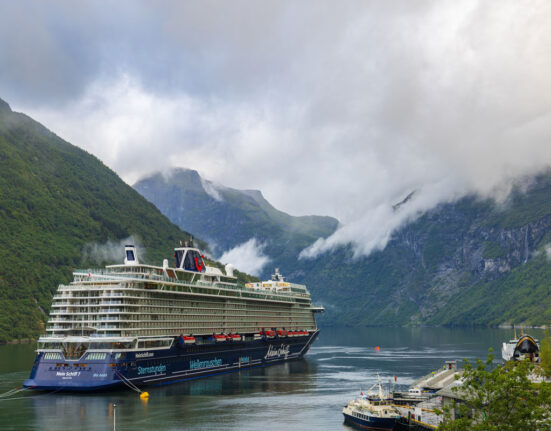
column 374, row 410
column 140, row 324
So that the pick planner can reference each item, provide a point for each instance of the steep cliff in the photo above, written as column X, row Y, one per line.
column 471, row 262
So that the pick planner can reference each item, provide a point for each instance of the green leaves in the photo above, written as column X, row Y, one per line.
column 503, row 398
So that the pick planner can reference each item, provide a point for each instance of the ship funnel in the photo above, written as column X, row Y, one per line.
column 131, row 255
column 229, row 270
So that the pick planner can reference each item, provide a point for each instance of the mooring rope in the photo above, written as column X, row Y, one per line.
column 16, row 391
column 129, row 383
column 12, row 392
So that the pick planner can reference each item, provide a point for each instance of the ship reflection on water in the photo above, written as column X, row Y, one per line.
column 223, row 398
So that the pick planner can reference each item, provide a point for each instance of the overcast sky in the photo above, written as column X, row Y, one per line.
column 336, row 108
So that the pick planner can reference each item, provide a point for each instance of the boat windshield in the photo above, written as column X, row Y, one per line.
column 74, row 350
column 116, row 345
column 49, row 345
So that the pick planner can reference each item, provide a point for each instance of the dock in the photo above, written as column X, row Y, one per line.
column 419, row 415
column 438, row 379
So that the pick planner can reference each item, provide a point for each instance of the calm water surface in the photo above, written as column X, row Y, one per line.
column 307, row 394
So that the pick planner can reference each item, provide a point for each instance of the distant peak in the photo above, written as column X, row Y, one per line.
column 4, row 106
column 256, row 194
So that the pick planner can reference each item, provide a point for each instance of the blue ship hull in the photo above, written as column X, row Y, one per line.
column 371, row 423
column 163, row 366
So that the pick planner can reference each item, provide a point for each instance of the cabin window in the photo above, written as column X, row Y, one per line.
column 149, row 344
column 52, row 355
column 96, row 356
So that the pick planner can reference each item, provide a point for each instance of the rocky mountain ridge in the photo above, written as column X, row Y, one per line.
column 470, row 262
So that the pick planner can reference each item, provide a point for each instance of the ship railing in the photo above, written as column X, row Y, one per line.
column 113, row 276
column 62, row 303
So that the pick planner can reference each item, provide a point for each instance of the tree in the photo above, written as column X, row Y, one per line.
column 500, row 398
column 545, row 355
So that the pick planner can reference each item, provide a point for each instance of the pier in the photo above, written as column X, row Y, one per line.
column 418, row 413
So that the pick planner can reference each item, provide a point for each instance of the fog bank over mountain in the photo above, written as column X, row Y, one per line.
column 337, row 109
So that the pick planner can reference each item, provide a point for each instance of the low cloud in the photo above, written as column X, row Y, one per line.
column 110, row 252
column 338, row 109
column 211, row 189
column 247, row 257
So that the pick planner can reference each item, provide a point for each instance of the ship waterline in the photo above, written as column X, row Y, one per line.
column 152, row 325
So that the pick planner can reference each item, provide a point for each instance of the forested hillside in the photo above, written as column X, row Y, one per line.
column 55, row 201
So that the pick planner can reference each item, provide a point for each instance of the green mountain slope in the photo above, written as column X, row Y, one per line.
column 471, row 262
column 227, row 217
column 54, row 200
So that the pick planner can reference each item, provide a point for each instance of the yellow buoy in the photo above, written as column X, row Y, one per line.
column 144, row 395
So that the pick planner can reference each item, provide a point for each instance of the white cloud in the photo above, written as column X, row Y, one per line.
column 110, row 252
column 211, row 189
column 247, row 257
column 338, row 109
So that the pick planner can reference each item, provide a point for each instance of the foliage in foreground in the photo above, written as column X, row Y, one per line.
column 545, row 355
column 500, row 398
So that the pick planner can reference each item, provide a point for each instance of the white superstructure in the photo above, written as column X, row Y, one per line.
column 137, row 300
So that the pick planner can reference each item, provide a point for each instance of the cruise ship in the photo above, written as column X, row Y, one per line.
column 139, row 324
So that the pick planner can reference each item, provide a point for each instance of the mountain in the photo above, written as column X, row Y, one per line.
column 57, row 205
column 227, row 217
column 470, row 262
column 467, row 263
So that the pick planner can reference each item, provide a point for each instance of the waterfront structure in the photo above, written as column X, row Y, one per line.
column 142, row 324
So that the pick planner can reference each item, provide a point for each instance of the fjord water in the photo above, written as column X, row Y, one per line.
column 308, row 394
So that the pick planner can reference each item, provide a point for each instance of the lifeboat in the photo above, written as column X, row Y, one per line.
column 282, row 333
column 236, row 337
column 270, row 334
column 189, row 340
column 220, row 337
